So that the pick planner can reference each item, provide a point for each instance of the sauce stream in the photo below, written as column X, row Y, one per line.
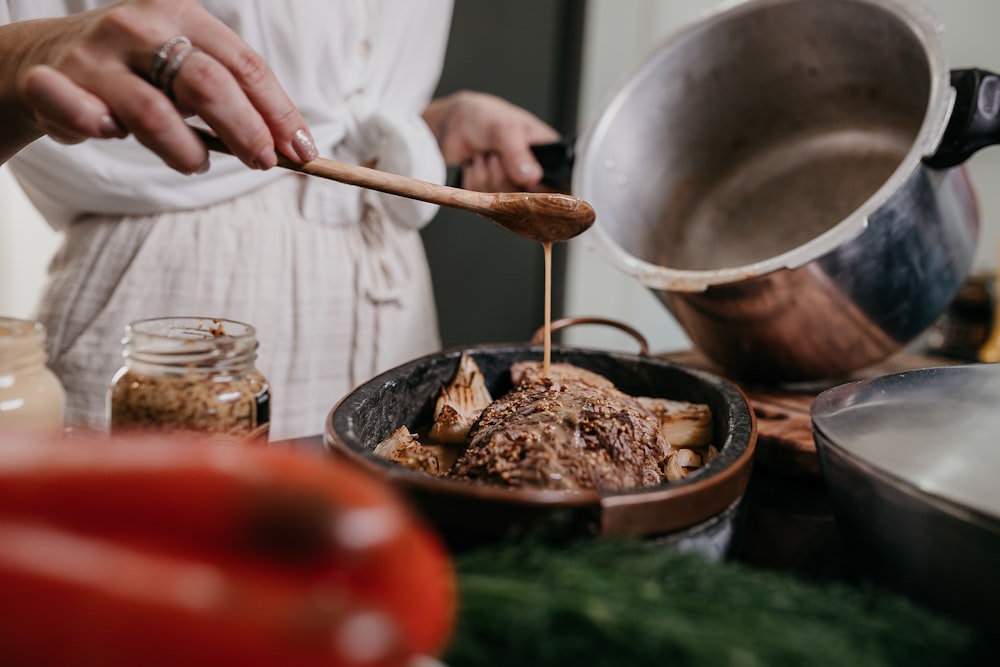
column 547, row 355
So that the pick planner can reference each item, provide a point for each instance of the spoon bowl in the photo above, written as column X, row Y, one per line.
column 541, row 216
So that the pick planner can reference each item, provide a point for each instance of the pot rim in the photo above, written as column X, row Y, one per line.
column 924, row 26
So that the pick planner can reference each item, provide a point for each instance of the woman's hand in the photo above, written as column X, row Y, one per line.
column 491, row 139
column 91, row 75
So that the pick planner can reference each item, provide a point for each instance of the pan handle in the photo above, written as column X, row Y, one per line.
column 556, row 159
column 565, row 322
column 974, row 121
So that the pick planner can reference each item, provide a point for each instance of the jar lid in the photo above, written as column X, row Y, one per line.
column 187, row 341
column 11, row 327
column 21, row 341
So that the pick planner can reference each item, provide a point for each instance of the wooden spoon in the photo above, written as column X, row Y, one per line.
column 539, row 216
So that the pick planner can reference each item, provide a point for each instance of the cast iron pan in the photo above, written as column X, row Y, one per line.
column 406, row 395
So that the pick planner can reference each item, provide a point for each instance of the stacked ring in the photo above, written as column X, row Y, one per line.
column 173, row 66
column 161, row 57
column 167, row 62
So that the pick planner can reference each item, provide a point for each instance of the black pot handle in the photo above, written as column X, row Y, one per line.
column 556, row 159
column 557, row 163
column 974, row 121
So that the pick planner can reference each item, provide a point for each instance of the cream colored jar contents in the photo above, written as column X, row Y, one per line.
column 31, row 396
column 190, row 374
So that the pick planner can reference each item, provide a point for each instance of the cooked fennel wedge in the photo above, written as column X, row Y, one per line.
column 460, row 404
column 404, row 448
column 683, row 424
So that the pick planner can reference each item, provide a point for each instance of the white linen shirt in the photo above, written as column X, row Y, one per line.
column 360, row 102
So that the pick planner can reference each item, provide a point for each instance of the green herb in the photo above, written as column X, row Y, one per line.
column 634, row 603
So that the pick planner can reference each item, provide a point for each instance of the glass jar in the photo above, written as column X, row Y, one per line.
column 31, row 396
column 192, row 375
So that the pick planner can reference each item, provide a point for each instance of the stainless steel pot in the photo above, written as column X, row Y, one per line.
column 910, row 462
column 780, row 176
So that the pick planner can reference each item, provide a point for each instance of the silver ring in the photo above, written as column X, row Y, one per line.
column 174, row 66
column 162, row 55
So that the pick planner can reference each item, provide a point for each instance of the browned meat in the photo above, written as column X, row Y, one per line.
column 559, row 373
column 564, row 433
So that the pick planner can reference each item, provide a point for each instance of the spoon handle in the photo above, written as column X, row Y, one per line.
column 480, row 203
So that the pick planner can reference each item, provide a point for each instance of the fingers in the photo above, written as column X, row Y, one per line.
column 492, row 139
column 509, row 167
column 517, row 161
column 512, row 144
column 100, row 83
column 201, row 85
column 485, row 172
column 204, row 85
column 65, row 111
column 153, row 119
column 256, row 84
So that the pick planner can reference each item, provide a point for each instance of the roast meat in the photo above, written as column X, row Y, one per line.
column 570, row 430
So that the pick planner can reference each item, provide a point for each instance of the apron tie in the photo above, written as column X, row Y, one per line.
column 384, row 273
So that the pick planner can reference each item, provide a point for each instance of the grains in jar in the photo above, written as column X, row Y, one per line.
column 31, row 396
column 191, row 374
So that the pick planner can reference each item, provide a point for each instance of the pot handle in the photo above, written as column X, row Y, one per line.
column 557, row 163
column 974, row 121
column 566, row 322
column 556, row 159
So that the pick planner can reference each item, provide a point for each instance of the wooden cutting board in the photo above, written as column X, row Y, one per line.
column 785, row 443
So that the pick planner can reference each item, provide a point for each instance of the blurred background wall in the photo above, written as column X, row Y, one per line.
column 26, row 243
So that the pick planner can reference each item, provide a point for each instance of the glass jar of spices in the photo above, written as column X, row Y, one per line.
column 31, row 396
column 191, row 375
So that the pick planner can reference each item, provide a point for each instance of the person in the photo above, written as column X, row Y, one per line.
column 99, row 99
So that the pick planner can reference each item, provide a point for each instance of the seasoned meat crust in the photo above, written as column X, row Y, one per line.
column 522, row 372
column 565, row 434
